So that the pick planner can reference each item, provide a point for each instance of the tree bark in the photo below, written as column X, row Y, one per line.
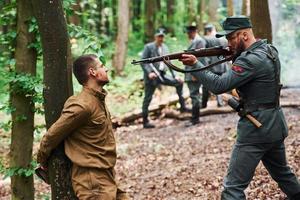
column 22, row 129
column 191, row 11
column 136, row 15
column 75, row 19
column 57, row 86
column 261, row 21
column 230, row 8
column 213, row 6
column 170, row 16
column 246, row 7
column 122, row 36
column 150, row 9
column 201, row 10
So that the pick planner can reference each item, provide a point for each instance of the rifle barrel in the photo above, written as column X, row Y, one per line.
column 203, row 52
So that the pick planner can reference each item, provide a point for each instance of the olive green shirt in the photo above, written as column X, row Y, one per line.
column 86, row 128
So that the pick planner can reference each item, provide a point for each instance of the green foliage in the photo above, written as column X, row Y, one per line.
column 17, row 171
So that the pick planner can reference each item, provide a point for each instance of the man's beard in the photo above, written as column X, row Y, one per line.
column 240, row 48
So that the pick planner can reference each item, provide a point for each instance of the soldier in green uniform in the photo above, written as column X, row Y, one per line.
column 193, row 83
column 212, row 41
column 256, row 75
column 156, row 74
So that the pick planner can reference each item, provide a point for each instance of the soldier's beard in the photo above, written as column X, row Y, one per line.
column 240, row 48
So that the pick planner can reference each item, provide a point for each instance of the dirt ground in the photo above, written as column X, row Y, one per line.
column 173, row 162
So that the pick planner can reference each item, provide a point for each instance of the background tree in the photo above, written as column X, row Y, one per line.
column 190, row 7
column 150, row 13
column 136, row 15
column 261, row 21
column 122, row 36
column 200, row 16
column 23, row 105
column 57, row 85
column 230, row 8
column 213, row 6
column 246, row 7
column 171, row 9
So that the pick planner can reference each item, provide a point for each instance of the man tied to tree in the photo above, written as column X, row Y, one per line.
column 155, row 74
column 212, row 41
column 85, row 127
column 196, row 42
column 256, row 75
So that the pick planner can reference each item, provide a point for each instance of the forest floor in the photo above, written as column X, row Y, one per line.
column 175, row 162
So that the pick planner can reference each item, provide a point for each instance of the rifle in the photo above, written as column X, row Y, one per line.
column 157, row 73
column 203, row 52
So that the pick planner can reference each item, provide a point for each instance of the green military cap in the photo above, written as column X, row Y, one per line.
column 160, row 32
column 192, row 27
column 234, row 23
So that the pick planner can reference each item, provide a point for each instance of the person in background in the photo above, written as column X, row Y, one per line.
column 196, row 42
column 212, row 41
column 156, row 74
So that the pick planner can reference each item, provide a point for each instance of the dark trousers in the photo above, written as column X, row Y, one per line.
column 206, row 95
column 244, row 160
column 194, row 87
column 151, row 85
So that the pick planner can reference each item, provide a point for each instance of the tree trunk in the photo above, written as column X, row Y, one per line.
column 261, row 21
column 57, row 85
column 201, row 10
column 75, row 19
column 170, row 16
column 230, row 8
column 191, row 11
column 213, row 6
column 246, row 7
column 150, row 9
column 114, row 18
column 136, row 15
column 22, row 129
column 122, row 37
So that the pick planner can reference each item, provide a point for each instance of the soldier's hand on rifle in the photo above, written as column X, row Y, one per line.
column 152, row 76
column 188, row 59
column 179, row 79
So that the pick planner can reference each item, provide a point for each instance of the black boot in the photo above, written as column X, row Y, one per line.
column 146, row 123
column 183, row 108
column 195, row 117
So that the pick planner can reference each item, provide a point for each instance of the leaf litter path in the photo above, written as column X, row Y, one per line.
column 175, row 162
column 172, row 162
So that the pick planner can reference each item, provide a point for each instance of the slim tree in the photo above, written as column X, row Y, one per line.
column 201, row 9
column 246, row 7
column 150, row 9
column 170, row 16
column 213, row 6
column 136, row 15
column 57, row 85
column 260, row 17
column 122, row 36
column 22, row 102
column 230, row 8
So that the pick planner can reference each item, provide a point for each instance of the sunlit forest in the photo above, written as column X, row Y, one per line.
column 39, row 40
